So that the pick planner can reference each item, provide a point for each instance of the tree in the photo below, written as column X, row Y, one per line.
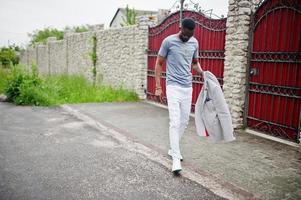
column 130, row 17
column 42, row 35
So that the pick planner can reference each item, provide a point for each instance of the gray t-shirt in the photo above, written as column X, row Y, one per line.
column 179, row 57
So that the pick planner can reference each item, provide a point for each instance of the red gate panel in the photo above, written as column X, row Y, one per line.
column 210, row 34
column 275, row 88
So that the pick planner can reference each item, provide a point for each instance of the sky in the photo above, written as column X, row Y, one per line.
column 20, row 17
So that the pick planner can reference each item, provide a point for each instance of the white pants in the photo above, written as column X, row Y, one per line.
column 179, row 105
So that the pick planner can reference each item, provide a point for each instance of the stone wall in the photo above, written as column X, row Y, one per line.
column 236, row 57
column 79, row 48
column 121, row 55
column 42, row 59
column 116, row 64
column 23, row 58
column 31, row 57
column 57, row 55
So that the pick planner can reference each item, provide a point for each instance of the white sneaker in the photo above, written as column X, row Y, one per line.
column 170, row 153
column 176, row 165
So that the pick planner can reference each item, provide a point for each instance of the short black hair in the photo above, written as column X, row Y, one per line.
column 188, row 23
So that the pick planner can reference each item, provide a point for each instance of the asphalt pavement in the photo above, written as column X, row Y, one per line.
column 48, row 153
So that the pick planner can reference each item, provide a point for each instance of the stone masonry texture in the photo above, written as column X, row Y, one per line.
column 236, row 57
column 122, row 56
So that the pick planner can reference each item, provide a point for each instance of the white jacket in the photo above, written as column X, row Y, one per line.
column 212, row 112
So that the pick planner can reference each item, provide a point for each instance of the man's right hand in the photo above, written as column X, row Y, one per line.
column 159, row 93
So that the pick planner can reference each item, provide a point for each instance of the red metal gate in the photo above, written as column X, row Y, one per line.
column 274, row 90
column 210, row 34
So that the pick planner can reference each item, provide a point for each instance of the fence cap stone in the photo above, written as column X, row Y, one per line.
column 97, row 27
column 51, row 39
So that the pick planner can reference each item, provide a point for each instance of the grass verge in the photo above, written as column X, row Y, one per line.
column 25, row 88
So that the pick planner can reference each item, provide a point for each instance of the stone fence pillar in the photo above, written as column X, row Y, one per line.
column 236, row 57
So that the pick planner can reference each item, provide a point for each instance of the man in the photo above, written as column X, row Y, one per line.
column 180, row 51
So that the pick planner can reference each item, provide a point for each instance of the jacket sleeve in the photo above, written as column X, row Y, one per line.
column 223, row 113
column 199, row 123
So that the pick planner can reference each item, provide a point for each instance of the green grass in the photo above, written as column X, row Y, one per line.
column 29, row 89
column 75, row 89
column 4, row 74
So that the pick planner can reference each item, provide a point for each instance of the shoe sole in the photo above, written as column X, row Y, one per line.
column 176, row 172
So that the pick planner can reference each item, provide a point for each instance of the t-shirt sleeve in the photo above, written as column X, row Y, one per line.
column 164, row 48
column 196, row 51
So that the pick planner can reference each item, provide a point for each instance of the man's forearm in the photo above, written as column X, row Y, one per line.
column 158, row 71
column 197, row 67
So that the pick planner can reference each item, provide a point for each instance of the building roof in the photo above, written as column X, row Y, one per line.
column 139, row 12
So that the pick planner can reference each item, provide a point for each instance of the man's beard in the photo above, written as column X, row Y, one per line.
column 184, row 38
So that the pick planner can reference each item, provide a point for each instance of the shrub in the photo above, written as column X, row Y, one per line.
column 24, row 88
column 8, row 57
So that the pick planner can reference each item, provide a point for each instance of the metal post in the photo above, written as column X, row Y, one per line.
column 181, row 13
column 299, row 129
column 249, row 55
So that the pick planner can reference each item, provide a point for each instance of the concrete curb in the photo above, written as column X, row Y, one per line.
column 250, row 131
column 216, row 185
